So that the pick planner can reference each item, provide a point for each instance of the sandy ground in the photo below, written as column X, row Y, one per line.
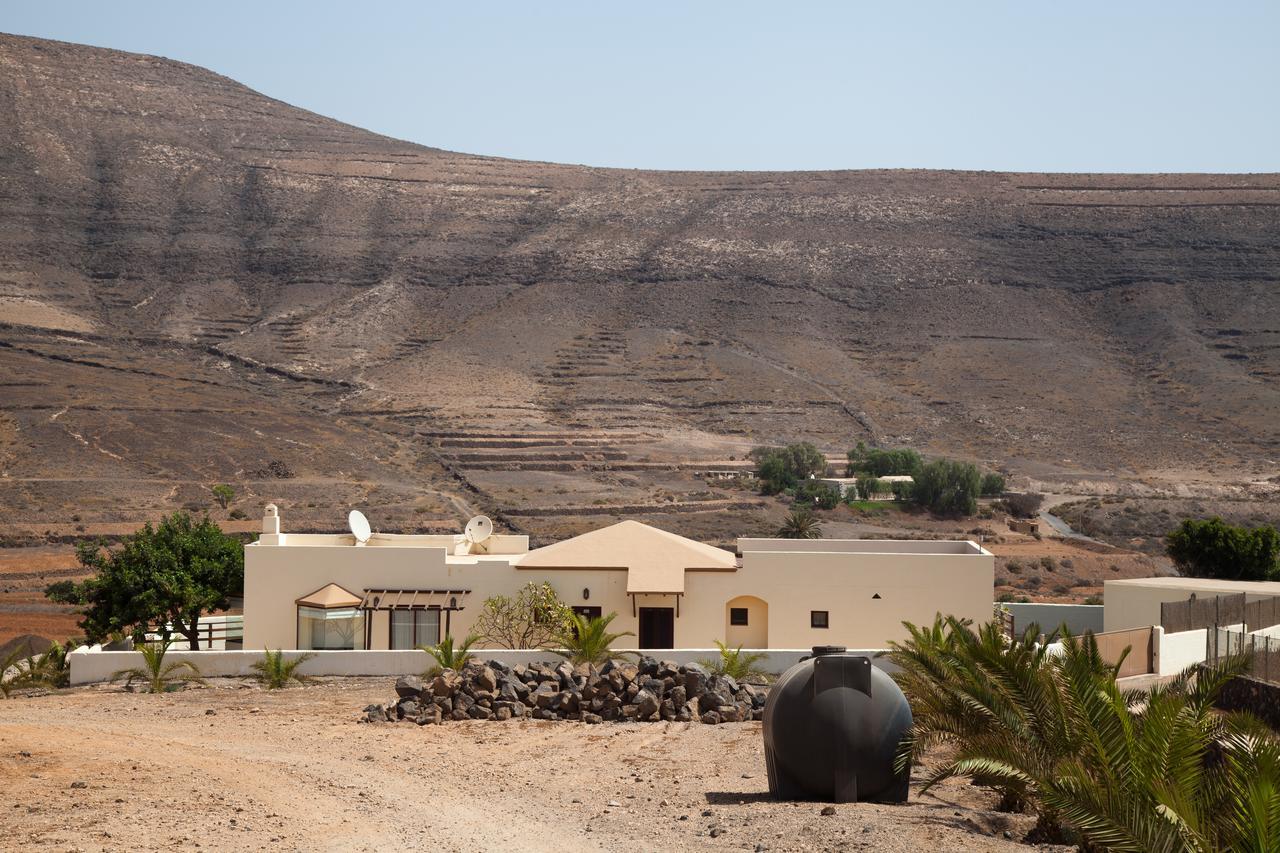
column 232, row 767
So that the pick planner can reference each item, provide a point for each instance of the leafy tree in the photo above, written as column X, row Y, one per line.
column 274, row 672
column 882, row 463
column 813, row 493
column 448, row 657
column 161, row 579
column 527, row 620
column 947, row 487
column 160, row 677
column 736, row 663
column 869, row 487
column 588, row 640
column 800, row 524
column 781, row 468
column 992, row 484
column 1102, row 768
column 902, row 490
column 1214, row 549
column 224, row 495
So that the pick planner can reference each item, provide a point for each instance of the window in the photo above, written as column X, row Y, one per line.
column 737, row 615
column 413, row 628
column 817, row 618
column 588, row 612
column 330, row 629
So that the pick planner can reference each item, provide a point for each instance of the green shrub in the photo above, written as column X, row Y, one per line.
column 588, row 640
column 274, row 672
column 736, row 663
column 1214, row 549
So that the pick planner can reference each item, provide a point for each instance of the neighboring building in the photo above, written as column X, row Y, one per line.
column 325, row 591
column 848, row 485
column 1136, row 603
column 1029, row 526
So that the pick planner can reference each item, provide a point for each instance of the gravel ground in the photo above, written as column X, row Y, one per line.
column 232, row 767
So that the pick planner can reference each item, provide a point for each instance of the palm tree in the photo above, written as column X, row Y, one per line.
column 12, row 674
column 274, row 672
column 800, row 524
column 159, row 676
column 1106, row 768
column 447, row 657
column 587, row 640
column 736, row 663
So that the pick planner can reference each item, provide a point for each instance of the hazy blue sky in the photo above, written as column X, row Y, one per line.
column 1029, row 85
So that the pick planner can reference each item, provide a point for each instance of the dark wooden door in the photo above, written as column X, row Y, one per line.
column 657, row 628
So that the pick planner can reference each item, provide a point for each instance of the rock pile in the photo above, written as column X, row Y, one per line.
column 649, row 690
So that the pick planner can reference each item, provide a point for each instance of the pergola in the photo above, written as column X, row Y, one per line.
column 447, row 600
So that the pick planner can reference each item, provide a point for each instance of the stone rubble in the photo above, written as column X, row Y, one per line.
column 648, row 690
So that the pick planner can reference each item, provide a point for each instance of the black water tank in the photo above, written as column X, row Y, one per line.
column 832, row 726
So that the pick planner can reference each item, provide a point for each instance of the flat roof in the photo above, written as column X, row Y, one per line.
column 934, row 547
column 1202, row 585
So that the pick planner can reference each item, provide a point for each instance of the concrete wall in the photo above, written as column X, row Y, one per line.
column 1136, row 603
column 913, row 584
column 1176, row 652
column 89, row 664
column 1078, row 617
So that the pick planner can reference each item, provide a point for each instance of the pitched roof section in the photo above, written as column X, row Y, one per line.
column 330, row 596
column 655, row 560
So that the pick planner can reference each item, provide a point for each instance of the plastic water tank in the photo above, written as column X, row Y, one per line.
column 832, row 726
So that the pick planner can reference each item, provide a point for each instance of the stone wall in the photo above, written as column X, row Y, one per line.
column 649, row 690
column 1258, row 697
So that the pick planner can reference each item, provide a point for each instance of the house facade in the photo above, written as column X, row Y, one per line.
column 327, row 591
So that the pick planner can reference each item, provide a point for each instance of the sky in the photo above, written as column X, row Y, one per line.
column 1033, row 85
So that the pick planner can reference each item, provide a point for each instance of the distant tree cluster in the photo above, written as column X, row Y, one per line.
column 947, row 487
column 1211, row 548
column 1023, row 504
column 875, row 462
column 782, row 468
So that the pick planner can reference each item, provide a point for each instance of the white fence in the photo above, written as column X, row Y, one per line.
column 90, row 664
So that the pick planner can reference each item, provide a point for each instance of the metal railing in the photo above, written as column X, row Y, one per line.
column 1264, row 652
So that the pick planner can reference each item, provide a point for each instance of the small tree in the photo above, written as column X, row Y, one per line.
column 780, row 468
column 448, row 657
column 160, row 677
column 161, row 578
column 588, row 640
column 274, row 672
column 736, row 663
column 882, row 463
column 527, row 620
column 992, row 484
column 869, row 487
column 947, row 487
column 1214, row 549
column 812, row 493
column 224, row 495
column 800, row 524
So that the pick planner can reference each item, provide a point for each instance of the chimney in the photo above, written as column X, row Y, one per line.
column 271, row 520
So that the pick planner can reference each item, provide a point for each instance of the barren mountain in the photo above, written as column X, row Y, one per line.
column 197, row 281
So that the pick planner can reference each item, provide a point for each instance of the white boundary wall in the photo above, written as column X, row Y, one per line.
column 1175, row 652
column 90, row 664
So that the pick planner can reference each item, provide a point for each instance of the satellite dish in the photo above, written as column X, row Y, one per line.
column 359, row 526
column 478, row 529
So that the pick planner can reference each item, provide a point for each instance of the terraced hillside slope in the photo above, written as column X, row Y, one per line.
column 200, row 283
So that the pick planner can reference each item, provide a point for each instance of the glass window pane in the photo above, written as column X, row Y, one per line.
column 428, row 627
column 401, row 629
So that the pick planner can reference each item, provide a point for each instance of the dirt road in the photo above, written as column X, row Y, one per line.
column 100, row 769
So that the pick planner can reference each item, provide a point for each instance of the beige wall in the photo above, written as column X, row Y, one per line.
column 1136, row 603
column 788, row 586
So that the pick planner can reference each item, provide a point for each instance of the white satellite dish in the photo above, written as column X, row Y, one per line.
column 359, row 526
column 478, row 529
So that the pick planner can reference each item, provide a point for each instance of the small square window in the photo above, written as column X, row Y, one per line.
column 817, row 619
column 737, row 615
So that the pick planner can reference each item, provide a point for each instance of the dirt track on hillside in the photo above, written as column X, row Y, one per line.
column 299, row 773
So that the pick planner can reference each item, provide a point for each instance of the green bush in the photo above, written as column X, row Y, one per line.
column 882, row 463
column 947, row 487
column 992, row 485
column 812, row 493
column 781, row 468
column 1214, row 549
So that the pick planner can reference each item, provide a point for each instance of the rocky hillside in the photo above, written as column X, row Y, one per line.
column 197, row 280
